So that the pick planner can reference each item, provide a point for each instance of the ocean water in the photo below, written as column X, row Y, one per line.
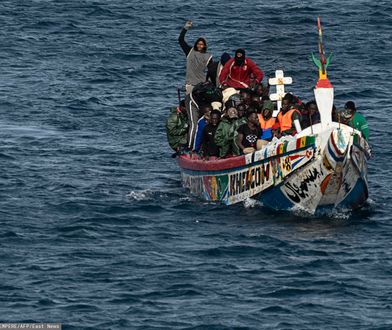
column 96, row 230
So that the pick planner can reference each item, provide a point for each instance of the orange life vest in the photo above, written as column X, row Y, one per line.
column 286, row 121
column 266, row 124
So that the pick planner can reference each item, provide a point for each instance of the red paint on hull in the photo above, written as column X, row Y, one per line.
column 186, row 162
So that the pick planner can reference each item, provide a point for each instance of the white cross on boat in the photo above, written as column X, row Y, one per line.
column 279, row 81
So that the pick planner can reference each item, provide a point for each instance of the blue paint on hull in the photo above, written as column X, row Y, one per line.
column 275, row 199
column 357, row 196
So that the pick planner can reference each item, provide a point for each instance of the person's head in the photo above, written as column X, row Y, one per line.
column 232, row 113
column 224, row 58
column 239, row 57
column 241, row 109
column 200, row 45
column 287, row 102
column 252, row 117
column 246, row 97
column 236, row 99
column 311, row 108
column 268, row 108
column 261, row 90
column 205, row 109
column 349, row 110
column 255, row 106
column 255, row 98
column 229, row 104
column 215, row 117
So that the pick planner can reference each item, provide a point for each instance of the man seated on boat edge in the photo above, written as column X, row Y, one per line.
column 237, row 72
column 249, row 134
column 177, row 127
column 209, row 149
column 355, row 119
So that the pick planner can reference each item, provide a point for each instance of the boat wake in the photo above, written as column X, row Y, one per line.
column 332, row 214
column 251, row 203
column 157, row 196
column 142, row 195
column 328, row 213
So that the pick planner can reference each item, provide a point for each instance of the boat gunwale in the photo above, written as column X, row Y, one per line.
column 207, row 171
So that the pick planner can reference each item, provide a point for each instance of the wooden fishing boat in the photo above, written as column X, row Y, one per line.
column 323, row 166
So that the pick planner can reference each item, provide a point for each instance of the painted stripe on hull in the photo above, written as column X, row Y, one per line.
column 211, row 165
column 334, row 155
column 221, row 166
column 357, row 196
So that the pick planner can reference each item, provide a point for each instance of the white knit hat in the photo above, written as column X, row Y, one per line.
column 216, row 106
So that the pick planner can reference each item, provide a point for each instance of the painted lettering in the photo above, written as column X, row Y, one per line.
column 296, row 192
column 250, row 179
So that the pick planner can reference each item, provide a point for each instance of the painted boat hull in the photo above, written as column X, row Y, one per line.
column 311, row 172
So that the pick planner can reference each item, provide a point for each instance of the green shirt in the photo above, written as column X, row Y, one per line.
column 359, row 123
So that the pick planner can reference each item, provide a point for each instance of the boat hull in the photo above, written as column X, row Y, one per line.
column 298, row 173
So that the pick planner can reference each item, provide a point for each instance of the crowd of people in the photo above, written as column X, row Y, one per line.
column 227, row 110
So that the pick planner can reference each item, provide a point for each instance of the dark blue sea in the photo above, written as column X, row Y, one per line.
column 96, row 231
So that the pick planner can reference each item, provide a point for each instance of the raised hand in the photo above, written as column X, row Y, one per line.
column 188, row 25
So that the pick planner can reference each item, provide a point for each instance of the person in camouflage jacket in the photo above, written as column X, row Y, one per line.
column 242, row 119
column 177, row 127
column 224, row 133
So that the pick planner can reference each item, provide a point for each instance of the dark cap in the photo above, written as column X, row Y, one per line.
column 241, row 51
column 268, row 105
column 225, row 58
column 350, row 105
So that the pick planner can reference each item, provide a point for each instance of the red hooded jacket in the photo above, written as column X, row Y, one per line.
column 238, row 77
